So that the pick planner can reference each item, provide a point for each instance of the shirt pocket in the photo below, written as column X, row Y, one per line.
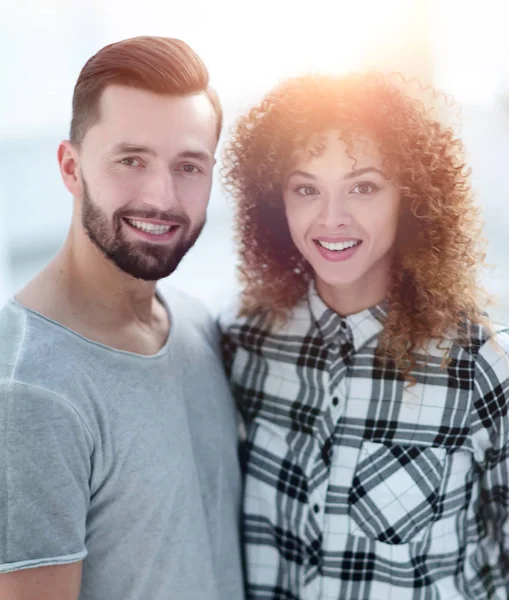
column 395, row 492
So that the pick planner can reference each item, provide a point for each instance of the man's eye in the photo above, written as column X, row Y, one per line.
column 306, row 190
column 188, row 168
column 130, row 162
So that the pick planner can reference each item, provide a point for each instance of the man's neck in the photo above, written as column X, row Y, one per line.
column 86, row 292
column 95, row 282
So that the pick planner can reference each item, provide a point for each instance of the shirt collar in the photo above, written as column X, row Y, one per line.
column 359, row 328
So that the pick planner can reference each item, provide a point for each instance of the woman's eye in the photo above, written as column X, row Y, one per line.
column 364, row 188
column 130, row 162
column 306, row 190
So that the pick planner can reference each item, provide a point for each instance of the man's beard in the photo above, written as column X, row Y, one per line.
column 143, row 260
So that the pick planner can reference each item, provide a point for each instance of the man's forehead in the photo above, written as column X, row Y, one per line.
column 121, row 99
column 147, row 119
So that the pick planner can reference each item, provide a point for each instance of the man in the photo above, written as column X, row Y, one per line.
column 118, row 467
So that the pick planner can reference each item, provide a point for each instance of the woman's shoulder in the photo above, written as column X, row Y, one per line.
column 492, row 357
column 488, row 350
column 485, row 341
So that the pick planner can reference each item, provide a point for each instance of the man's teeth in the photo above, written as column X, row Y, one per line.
column 339, row 245
column 149, row 227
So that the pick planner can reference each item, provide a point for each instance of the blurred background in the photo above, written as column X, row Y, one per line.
column 460, row 47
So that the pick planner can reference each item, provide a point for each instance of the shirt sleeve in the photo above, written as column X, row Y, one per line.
column 491, row 404
column 45, row 466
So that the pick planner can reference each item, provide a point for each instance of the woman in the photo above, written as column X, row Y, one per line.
column 373, row 387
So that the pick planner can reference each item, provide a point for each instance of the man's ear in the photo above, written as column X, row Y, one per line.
column 69, row 163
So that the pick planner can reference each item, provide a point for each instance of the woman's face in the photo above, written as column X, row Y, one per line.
column 342, row 213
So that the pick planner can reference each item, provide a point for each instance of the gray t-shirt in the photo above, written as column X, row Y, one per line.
column 124, row 461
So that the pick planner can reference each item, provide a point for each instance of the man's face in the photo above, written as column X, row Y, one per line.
column 146, row 174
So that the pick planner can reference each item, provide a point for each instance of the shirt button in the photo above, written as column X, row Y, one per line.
column 316, row 508
column 335, row 401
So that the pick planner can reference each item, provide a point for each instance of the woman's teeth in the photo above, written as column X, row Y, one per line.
column 339, row 245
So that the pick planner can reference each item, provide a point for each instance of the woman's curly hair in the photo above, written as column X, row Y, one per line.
column 434, row 281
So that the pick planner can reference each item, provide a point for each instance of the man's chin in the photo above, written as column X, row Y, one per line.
column 150, row 267
column 144, row 273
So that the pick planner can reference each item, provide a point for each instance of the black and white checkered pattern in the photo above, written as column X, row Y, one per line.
column 359, row 486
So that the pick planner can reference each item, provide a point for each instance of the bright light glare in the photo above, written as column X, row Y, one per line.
column 249, row 46
column 470, row 49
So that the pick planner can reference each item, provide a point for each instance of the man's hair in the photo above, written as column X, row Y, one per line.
column 156, row 64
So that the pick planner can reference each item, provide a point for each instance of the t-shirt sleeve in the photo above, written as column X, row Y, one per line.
column 45, row 467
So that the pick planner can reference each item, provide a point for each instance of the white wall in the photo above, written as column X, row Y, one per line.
column 248, row 47
column 5, row 283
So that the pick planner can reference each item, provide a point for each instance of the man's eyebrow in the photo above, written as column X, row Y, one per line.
column 197, row 155
column 127, row 148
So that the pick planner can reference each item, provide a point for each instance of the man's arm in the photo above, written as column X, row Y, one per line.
column 45, row 468
column 42, row 583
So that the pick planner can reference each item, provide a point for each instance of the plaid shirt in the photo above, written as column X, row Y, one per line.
column 357, row 485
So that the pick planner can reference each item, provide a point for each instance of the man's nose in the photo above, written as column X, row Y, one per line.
column 159, row 192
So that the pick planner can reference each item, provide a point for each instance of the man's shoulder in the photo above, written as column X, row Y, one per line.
column 190, row 316
column 34, row 350
column 184, row 306
column 35, row 367
column 14, row 331
column 187, row 311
